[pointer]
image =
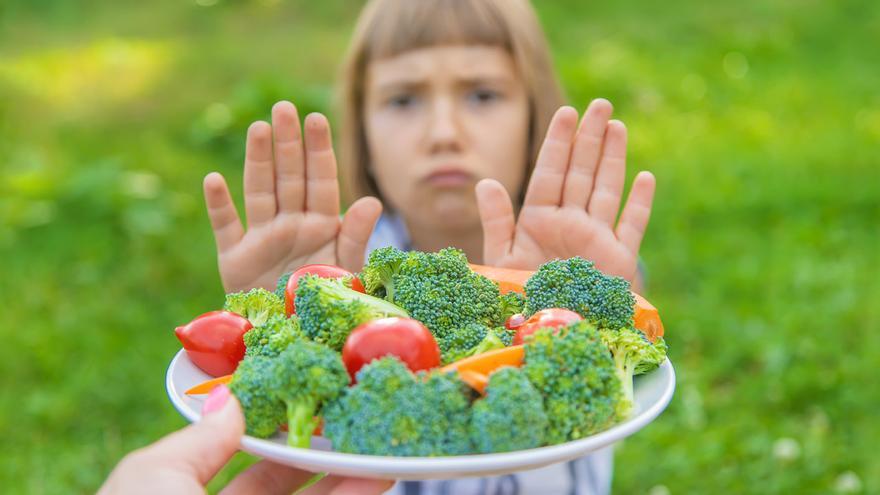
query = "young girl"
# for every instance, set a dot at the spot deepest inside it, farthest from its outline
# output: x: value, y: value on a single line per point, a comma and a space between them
x: 444, y: 107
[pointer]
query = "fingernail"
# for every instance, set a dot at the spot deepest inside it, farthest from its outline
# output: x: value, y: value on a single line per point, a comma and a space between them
x: 218, y: 397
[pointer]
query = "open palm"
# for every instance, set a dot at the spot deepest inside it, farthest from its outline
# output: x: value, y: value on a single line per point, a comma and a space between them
x: 291, y: 197
x: 572, y: 200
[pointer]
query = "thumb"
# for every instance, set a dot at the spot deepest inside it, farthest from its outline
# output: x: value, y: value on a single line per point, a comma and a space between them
x: 496, y: 215
x: 357, y: 226
x: 203, y: 448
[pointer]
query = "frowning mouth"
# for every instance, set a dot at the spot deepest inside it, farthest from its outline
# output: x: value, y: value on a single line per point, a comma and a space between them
x: 449, y: 177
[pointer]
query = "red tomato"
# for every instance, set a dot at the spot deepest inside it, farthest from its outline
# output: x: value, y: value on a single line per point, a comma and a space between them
x: 213, y: 341
x: 546, y: 318
x: 515, y: 321
x: 323, y: 271
x: 405, y: 338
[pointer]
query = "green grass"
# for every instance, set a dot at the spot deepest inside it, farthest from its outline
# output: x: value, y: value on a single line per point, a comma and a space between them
x: 761, y: 121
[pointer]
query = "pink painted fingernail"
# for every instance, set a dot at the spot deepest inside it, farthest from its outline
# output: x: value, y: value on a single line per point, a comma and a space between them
x: 216, y: 399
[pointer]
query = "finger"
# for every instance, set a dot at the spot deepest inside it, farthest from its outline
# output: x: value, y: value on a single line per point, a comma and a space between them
x: 497, y: 218
x: 637, y: 212
x: 605, y: 201
x: 267, y: 478
x: 545, y: 186
x: 336, y: 485
x: 585, y: 154
x: 322, y: 188
x: 221, y: 211
x: 289, y: 168
x: 259, y: 175
x: 357, y: 226
x: 203, y: 448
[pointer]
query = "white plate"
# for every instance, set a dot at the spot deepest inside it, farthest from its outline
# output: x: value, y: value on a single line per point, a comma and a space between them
x: 653, y: 392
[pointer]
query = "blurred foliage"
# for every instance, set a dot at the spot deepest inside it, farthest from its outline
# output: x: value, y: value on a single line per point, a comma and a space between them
x: 760, y: 119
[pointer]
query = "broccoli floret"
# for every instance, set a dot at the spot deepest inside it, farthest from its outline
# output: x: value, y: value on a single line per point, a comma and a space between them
x: 576, y: 376
x: 512, y: 303
x: 328, y: 310
x: 471, y: 340
x: 649, y: 365
x: 281, y: 286
x: 272, y: 337
x: 378, y: 274
x: 262, y: 411
x: 393, y: 412
x: 633, y: 354
x: 257, y: 305
x: 439, y: 289
x: 511, y: 416
x: 306, y: 375
x: 576, y: 284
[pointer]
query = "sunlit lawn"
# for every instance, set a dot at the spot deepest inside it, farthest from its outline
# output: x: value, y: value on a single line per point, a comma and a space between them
x: 761, y: 122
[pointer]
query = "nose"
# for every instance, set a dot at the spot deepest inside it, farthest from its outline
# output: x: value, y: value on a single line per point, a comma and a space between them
x: 444, y: 132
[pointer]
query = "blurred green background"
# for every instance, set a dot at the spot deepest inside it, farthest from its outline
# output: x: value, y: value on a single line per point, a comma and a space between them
x: 760, y: 119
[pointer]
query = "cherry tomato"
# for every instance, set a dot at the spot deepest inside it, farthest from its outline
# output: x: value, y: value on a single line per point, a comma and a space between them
x: 515, y: 321
x: 213, y: 341
x: 407, y: 339
x: 323, y: 271
x: 546, y: 318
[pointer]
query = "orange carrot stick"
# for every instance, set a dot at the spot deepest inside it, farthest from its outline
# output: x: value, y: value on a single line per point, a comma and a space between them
x: 647, y: 319
x: 508, y: 279
x: 476, y: 381
x: 206, y: 387
x: 488, y: 362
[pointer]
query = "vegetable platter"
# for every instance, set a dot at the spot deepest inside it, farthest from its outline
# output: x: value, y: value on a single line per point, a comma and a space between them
x: 423, y: 366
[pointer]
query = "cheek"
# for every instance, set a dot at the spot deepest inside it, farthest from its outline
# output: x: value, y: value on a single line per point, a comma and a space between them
x: 503, y: 145
x: 391, y: 147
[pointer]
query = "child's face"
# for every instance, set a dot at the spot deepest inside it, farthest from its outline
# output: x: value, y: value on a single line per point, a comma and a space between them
x: 440, y: 119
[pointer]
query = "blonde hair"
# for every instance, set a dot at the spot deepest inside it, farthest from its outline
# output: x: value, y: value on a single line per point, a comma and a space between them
x: 390, y: 27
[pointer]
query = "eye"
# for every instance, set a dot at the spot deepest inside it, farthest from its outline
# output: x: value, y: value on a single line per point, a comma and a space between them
x: 402, y: 101
x: 483, y: 96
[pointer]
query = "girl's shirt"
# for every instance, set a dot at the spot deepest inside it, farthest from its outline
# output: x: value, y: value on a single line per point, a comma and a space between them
x: 590, y: 475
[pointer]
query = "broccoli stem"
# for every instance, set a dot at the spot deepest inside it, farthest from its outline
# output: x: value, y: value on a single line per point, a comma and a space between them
x: 301, y: 422
x: 625, y: 370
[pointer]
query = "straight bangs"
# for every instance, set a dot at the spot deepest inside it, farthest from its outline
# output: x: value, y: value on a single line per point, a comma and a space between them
x: 405, y: 25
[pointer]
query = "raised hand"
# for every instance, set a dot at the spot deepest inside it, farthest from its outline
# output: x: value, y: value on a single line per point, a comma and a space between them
x: 291, y: 197
x: 572, y: 200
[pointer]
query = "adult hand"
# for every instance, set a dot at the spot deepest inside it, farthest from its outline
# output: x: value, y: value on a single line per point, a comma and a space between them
x: 291, y: 197
x: 183, y: 462
x: 572, y: 200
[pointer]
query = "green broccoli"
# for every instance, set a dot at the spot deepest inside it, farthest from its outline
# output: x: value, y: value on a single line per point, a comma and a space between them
x: 262, y: 411
x: 439, y: 289
x: 512, y: 303
x: 393, y: 412
x: 281, y: 286
x: 575, y: 374
x: 576, y: 284
x: 379, y: 272
x: 471, y: 340
x: 511, y: 416
x: 272, y: 337
x: 328, y: 310
x: 257, y: 305
x: 306, y: 375
x: 633, y: 354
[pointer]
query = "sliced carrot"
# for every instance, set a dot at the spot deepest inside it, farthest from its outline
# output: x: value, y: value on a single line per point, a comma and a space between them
x: 647, y: 318
x: 206, y: 387
x: 508, y: 279
x: 476, y: 381
x: 488, y: 362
